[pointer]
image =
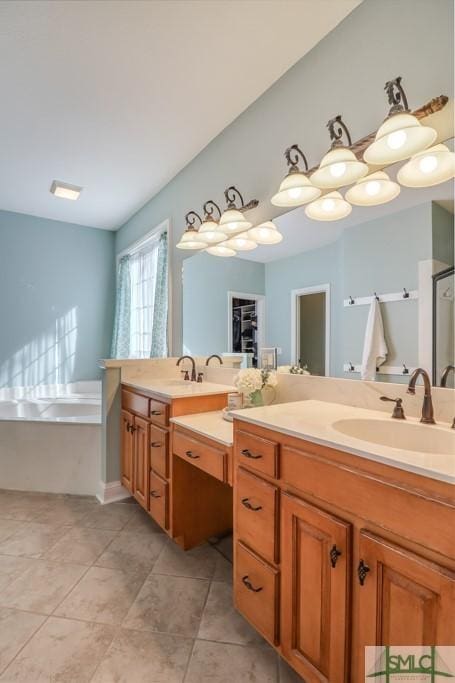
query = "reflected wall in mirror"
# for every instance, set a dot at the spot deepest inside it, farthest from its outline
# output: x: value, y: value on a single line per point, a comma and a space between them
x: 392, y: 250
x: 444, y: 328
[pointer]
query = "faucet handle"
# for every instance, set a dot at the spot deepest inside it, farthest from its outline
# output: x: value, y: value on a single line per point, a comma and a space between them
x: 200, y: 376
x: 398, y: 412
x: 186, y: 374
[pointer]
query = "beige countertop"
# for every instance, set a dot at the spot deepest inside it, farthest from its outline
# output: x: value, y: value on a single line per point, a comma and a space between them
x: 316, y: 421
x: 210, y: 424
x: 178, y: 388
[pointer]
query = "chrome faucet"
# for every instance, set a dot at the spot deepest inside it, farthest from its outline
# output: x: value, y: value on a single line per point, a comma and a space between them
x: 214, y: 355
x: 193, y: 369
x: 427, y: 406
x: 445, y: 374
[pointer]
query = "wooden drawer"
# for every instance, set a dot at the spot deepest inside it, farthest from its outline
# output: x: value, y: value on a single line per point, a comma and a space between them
x: 159, y: 456
x: 159, y: 412
x: 207, y: 458
x: 256, y: 508
x: 159, y: 495
x: 256, y: 591
x: 135, y: 403
x: 257, y: 453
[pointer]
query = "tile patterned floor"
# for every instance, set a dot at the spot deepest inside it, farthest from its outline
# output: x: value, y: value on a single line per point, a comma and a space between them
x: 99, y: 594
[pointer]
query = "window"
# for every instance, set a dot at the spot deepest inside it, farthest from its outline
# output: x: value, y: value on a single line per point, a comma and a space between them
x: 140, y: 328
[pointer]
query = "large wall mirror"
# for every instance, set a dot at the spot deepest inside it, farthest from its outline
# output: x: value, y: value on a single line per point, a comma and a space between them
x: 310, y: 295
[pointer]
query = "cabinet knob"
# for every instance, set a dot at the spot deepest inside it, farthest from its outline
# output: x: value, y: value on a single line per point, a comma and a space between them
x: 248, y: 454
x: 191, y: 455
x: 362, y: 571
x: 154, y: 494
x: 132, y: 428
x: 247, y: 504
x: 249, y: 585
x: 156, y: 444
x: 155, y: 412
x: 334, y: 555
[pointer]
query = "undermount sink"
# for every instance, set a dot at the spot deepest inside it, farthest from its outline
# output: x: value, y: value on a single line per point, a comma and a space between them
x: 399, y: 434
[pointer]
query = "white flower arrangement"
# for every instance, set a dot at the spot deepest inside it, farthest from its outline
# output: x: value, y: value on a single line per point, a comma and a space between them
x: 293, y: 370
x: 252, y: 380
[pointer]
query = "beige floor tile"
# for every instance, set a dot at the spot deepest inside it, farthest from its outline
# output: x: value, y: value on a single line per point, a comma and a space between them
x: 103, y: 595
x: 222, y: 663
x: 9, y: 526
x: 66, y: 511
x: 222, y: 622
x: 41, y: 587
x: 80, y: 545
x: 223, y: 570
x: 286, y: 674
x: 112, y: 517
x: 63, y: 650
x: 141, y: 521
x: 133, y: 551
x: 21, y: 506
x: 15, y: 629
x: 225, y: 546
x: 144, y: 658
x: 168, y: 604
x: 198, y: 563
x: 12, y: 567
x: 32, y: 540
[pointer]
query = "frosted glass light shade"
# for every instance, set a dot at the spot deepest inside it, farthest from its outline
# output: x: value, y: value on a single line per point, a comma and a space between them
x: 430, y: 167
x: 330, y: 207
x: 211, y: 233
x: 241, y: 242
x: 265, y: 233
x: 295, y: 190
x: 233, y: 221
x: 399, y: 137
x: 191, y: 240
x: 220, y: 250
x: 338, y: 167
x: 373, y: 189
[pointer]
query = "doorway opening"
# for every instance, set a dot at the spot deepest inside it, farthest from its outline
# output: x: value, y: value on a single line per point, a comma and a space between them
x: 245, y: 325
x: 310, y: 322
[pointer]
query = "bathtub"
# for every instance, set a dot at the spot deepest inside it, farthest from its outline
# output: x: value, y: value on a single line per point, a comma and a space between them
x: 50, y: 438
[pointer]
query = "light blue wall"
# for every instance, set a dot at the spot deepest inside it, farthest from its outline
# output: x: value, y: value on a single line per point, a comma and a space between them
x: 206, y: 281
x: 57, y: 297
x: 345, y: 73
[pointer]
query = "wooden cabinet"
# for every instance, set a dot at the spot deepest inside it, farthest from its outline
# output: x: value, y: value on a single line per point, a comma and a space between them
x: 159, y: 500
x: 315, y: 565
x: 141, y: 467
x: 209, y: 458
x: 256, y: 514
x: 127, y: 442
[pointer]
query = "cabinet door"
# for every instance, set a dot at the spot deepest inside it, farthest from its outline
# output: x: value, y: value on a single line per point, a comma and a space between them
x: 127, y: 424
x: 403, y: 598
x: 316, y: 556
x: 141, y: 462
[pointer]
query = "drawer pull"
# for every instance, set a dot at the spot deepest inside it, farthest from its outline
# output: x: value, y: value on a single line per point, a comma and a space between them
x: 190, y: 454
x: 247, y: 504
x: 334, y: 555
x: 156, y: 444
x: 248, y: 454
x: 128, y: 426
x: 155, y: 412
x: 246, y: 582
x: 362, y: 571
x: 132, y: 429
x: 154, y: 494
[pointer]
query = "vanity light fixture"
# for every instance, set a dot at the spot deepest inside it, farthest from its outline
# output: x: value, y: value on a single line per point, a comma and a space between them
x: 373, y: 189
x: 241, y: 242
x: 266, y: 233
x: 65, y: 190
x: 220, y: 250
x: 430, y: 167
x: 210, y: 231
x: 191, y: 238
x: 340, y: 165
x: 330, y: 207
x: 296, y: 188
x: 232, y: 220
x: 401, y: 135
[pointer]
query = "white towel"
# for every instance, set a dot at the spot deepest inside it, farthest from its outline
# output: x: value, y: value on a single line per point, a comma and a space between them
x: 375, y: 347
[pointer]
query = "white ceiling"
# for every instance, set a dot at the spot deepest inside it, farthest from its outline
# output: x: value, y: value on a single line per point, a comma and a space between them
x: 118, y: 96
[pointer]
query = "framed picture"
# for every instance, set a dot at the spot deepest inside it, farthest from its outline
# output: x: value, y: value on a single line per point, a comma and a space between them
x: 268, y: 358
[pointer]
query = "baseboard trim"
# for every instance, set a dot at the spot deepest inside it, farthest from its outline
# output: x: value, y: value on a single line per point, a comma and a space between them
x: 111, y: 492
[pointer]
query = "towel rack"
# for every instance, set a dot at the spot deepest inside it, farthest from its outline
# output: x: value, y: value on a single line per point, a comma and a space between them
x: 404, y: 295
x: 382, y: 370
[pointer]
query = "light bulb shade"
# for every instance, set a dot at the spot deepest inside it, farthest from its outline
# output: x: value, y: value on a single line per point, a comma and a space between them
x: 338, y: 167
x: 399, y: 137
x: 295, y: 190
x: 241, y: 242
x: 210, y: 232
x: 233, y: 221
x: 430, y: 167
x: 220, y: 250
x: 330, y: 207
x: 373, y: 189
x: 191, y: 240
x: 265, y: 233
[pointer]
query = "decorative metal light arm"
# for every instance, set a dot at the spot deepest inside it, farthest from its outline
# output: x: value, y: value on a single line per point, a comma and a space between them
x: 396, y: 96
x: 190, y: 220
x: 337, y: 128
x: 292, y: 155
x: 209, y: 208
x: 231, y: 193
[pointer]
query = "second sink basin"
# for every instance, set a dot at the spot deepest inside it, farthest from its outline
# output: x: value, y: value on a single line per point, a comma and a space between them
x: 396, y: 434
